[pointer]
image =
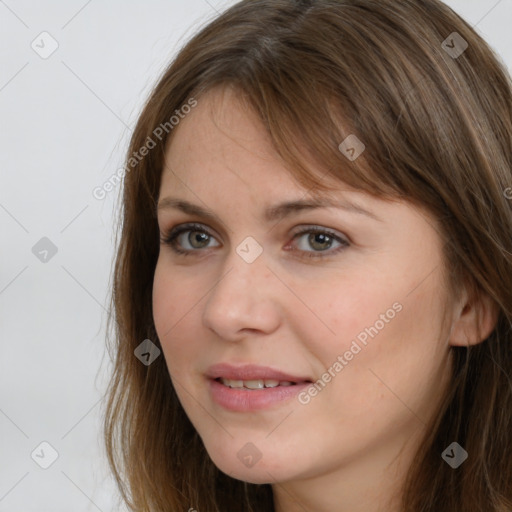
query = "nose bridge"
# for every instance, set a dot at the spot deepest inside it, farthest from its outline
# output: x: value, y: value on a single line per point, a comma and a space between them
x: 245, y: 268
x: 247, y: 260
x: 241, y: 297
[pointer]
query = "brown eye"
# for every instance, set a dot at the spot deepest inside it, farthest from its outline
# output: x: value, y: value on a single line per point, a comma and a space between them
x: 320, y: 240
x: 196, y: 237
x: 187, y: 238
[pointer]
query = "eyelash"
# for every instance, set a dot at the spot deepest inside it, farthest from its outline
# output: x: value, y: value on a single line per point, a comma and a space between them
x: 169, y: 239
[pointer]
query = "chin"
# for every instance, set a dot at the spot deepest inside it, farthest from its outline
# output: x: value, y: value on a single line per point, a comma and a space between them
x: 237, y: 464
x: 254, y: 475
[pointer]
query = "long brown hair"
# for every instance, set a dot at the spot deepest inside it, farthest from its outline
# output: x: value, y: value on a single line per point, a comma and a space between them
x: 434, y: 110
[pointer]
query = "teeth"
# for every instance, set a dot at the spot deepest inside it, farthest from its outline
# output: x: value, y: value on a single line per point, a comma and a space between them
x: 271, y: 383
x: 234, y: 383
x: 255, y: 384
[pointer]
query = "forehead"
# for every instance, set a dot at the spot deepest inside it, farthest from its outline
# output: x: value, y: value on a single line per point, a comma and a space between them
x: 222, y: 143
x: 221, y: 121
x: 221, y: 152
x: 222, y: 140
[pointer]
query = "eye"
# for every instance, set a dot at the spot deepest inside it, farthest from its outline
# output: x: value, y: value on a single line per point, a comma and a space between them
x: 320, y: 239
x: 197, y: 238
x: 189, y: 238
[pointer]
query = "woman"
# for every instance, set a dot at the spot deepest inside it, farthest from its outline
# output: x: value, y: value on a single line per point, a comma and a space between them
x: 313, y: 285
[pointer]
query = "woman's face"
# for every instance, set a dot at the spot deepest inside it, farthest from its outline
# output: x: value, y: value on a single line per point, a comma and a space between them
x: 356, y: 308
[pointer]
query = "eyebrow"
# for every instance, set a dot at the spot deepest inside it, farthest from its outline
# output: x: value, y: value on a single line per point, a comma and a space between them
x: 273, y: 213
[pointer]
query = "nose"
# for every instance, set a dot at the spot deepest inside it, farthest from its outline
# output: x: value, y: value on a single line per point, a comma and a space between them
x: 245, y: 298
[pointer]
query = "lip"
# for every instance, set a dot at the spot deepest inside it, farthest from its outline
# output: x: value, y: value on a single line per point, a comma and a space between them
x: 245, y: 400
x: 251, y: 372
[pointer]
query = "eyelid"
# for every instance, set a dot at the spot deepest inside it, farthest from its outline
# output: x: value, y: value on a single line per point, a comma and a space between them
x: 343, y: 240
x: 169, y: 238
x: 312, y: 228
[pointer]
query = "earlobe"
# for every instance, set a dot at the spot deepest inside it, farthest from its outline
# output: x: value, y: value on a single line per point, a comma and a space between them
x: 475, y: 322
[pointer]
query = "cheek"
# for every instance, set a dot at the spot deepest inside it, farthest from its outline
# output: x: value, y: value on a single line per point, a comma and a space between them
x: 173, y: 310
x: 373, y: 325
x: 175, y: 296
x: 349, y: 311
x: 164, y: 303
x: 403, y: 359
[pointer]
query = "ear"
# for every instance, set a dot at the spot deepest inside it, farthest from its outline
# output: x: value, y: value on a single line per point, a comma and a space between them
x: 475, y: 319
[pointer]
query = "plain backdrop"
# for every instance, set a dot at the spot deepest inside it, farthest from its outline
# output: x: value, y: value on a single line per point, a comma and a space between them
x: 65, y: 120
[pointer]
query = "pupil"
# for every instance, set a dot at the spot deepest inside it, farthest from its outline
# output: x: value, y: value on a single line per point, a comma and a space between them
x: 200, y: 237
x: 319, y: 238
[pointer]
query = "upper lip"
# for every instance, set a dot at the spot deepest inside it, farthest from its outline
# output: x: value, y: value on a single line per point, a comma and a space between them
x: 251, y: 372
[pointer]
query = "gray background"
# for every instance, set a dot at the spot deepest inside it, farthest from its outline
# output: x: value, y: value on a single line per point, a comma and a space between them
x: 65, y: 121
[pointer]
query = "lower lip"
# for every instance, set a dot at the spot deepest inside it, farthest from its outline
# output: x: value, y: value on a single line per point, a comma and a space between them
x: 241, y: 399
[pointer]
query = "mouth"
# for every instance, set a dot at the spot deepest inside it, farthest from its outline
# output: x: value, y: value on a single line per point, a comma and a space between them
x: 253, y: 375
x: 250, y: 387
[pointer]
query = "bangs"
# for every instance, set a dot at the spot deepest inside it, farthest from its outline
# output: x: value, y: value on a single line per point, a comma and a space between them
x: 321, y: 146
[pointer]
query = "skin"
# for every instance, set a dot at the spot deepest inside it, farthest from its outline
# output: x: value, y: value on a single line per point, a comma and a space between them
x: 349, y: 448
